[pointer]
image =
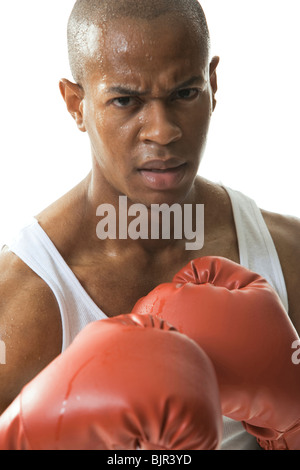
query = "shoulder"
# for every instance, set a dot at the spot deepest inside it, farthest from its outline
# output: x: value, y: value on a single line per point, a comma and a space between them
x: 30, y: 325
x: 18, y: 281
x: 285, y: 232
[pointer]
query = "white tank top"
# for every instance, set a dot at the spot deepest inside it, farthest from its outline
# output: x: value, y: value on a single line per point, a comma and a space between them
x: 257, y: 253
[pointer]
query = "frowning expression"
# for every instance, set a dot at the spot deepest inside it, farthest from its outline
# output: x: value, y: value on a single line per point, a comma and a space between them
x: 147, y: 104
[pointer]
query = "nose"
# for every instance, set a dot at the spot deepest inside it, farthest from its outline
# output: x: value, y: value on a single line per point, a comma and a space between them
x: 157, y: 124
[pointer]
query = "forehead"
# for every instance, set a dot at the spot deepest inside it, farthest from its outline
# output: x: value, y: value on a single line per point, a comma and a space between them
x: 140, y: 49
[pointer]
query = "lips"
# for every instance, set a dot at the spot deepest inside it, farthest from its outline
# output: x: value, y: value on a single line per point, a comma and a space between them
x: 157, y: 164
x: 162, y: 174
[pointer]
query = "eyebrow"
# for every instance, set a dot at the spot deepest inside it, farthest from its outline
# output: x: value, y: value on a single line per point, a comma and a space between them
x: 121, y: 90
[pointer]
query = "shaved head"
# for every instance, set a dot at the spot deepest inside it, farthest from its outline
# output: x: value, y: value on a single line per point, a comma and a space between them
x: 88, y: 17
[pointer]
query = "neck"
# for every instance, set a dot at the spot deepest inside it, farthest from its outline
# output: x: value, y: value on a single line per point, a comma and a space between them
x: 120, y: 224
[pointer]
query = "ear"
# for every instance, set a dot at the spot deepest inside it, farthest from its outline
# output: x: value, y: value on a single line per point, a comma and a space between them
x: 213, y: 78
x: 73, y: 96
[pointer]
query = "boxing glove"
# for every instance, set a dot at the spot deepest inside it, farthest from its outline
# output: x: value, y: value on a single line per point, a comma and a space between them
x: 240, y: 322
x: 125, y: 383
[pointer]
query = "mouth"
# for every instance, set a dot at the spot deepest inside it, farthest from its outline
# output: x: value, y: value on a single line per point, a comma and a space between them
x: 162, y: 175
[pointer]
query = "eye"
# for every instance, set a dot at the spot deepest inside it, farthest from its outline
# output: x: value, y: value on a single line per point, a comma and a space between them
x: 186, y: 94
x: 123, y: 101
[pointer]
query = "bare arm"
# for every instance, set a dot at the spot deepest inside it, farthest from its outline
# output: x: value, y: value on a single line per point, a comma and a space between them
x: 30, y: 326
x: 285, y: 232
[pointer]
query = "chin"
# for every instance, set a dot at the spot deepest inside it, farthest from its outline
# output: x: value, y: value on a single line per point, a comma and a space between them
x: 163, y: 197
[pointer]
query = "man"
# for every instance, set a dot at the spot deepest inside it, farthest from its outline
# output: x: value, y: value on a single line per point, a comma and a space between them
x: 144, y: 90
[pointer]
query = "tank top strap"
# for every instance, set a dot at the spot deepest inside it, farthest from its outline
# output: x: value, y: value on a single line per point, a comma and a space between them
x: 257, y: 250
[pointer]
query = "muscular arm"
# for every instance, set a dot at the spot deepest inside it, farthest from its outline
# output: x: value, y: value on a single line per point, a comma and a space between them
x: 30, y: 326
x: 285, y: 232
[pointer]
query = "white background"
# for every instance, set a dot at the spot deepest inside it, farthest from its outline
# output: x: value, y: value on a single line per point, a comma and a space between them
x: 254, y: 138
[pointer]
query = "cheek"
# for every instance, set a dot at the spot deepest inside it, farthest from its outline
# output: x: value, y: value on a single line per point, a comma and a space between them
x: 111, y: 145
x: 107, y: 131
x: 100, y: 131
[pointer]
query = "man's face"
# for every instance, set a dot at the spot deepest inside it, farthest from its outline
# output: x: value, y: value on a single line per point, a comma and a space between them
x: 147, y: 108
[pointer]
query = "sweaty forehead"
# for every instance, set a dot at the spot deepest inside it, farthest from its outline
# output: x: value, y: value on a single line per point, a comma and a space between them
x: 166, y: 32
x: 142, y: 45
x: 91, y: 19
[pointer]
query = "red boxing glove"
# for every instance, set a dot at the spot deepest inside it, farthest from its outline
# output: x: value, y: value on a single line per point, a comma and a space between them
x: 239, y: 321
x: 126, y: 383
